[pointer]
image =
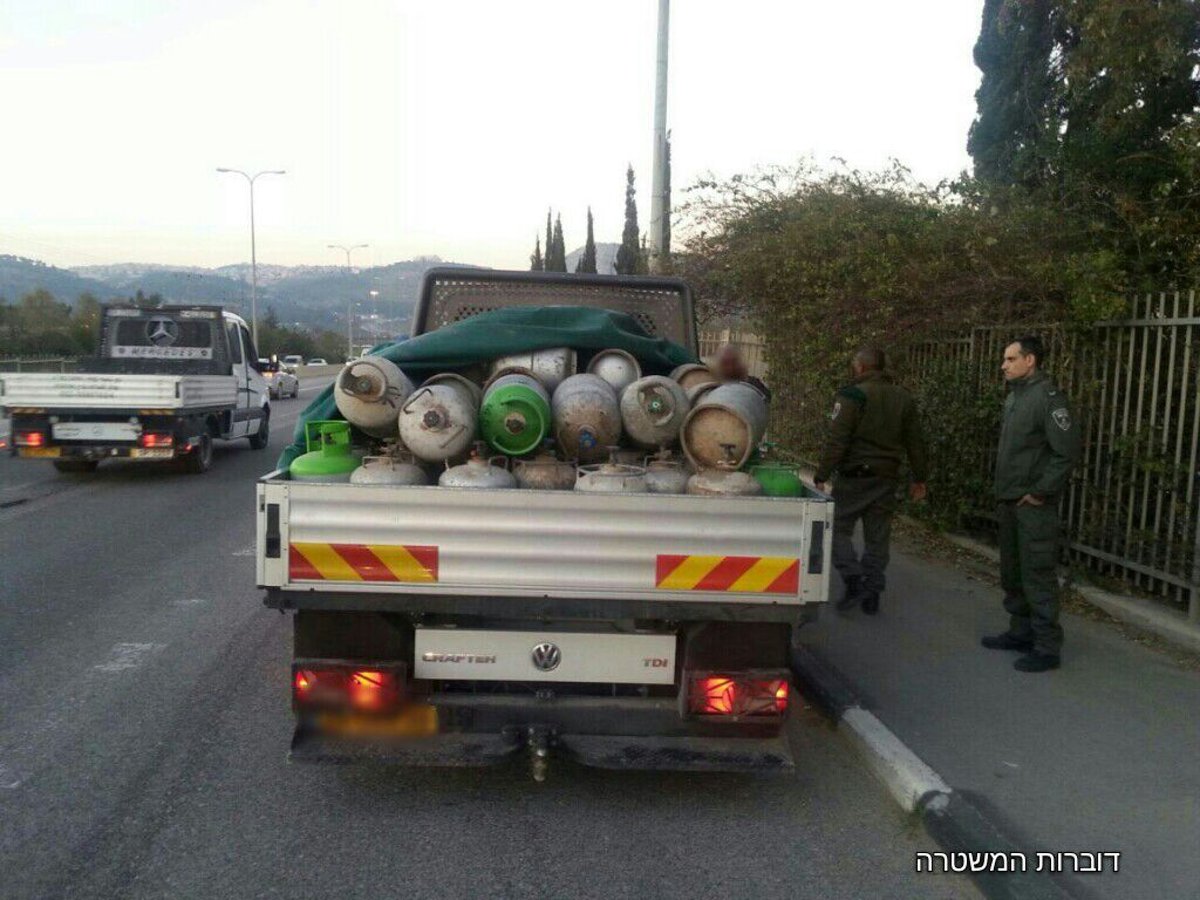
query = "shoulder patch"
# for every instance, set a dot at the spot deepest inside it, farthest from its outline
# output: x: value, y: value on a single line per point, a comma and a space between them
x: 854, y: 392
x: 1062, y: 418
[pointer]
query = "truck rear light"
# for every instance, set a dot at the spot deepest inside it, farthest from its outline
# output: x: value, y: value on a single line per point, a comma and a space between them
x: 736, y: 695
x: 30, y: 439
x: 155, y: 440
x: 346, y: 686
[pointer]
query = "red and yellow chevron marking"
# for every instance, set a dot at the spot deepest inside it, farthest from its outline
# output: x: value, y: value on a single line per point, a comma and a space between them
x: 361, y: 562
x: 746, y: 574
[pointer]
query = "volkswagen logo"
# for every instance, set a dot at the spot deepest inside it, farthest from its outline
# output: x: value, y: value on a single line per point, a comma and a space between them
x: 162, y: 332
x: 546, y: 657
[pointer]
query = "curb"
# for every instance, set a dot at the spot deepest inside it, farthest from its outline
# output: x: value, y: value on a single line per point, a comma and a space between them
x: 949, y: 817
x: 1144, y: 614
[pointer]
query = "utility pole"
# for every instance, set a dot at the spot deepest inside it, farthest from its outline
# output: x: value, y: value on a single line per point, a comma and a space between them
x: 658, y: 189
x: 349, y: 302
x: 253, y: 253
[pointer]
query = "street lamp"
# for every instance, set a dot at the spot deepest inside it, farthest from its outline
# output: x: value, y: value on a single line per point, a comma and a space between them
x: 349, y: 302
x: 253, y: 254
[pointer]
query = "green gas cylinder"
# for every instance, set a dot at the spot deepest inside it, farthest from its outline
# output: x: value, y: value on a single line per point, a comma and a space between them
x: 515, y: 415
x: 330, y: 455
x: 778, y: 479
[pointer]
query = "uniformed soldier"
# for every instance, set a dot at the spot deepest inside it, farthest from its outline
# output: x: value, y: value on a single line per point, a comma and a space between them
x: 875, y: 423
x: 1039, y: 444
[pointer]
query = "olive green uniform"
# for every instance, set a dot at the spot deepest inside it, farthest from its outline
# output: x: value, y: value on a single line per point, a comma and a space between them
x: 1039, y: 445
x: 875, y: 424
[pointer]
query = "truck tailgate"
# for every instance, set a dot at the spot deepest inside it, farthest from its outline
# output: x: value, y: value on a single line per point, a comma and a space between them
x: 84, y: 390
x: 432, y: 540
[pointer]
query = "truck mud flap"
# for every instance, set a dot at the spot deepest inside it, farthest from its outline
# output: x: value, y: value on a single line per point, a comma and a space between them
x: 700, y: 754
x: 447, y: 750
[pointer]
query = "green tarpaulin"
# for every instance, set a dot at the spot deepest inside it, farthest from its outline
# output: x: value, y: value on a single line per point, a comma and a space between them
x: 502, y: 332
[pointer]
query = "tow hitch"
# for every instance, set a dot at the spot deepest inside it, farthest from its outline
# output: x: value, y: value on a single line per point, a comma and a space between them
x: 538, y: 741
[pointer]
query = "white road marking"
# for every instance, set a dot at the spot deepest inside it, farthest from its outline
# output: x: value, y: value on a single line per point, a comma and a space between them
x: 245, y: 551
x: 129, y: 656
x: 8, y: 781
x: 189, y: 601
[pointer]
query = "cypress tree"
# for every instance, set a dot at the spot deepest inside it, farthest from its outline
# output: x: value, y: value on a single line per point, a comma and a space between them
x: 549, y: 245
x: 1013, y: 137
x: 556, y: 257
x: 629, y: 253
x: 536, y: 263
x: 587, y: 261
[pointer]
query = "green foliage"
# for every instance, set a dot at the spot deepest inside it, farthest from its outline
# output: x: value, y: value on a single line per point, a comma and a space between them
x: 556, y: 255
x: 1090, y: 105
x: 630, y: 259
x: 536, y: 263
x: 587, y: 260
x: 39, y: 325
x: 1009, y: 139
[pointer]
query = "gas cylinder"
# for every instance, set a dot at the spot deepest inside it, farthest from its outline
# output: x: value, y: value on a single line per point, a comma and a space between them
x: 733, y: 414
x: 369, y: 392
x: 437, y: 422
x: 329, y: 457
x: 611, y: 478
x: 393, y: 468
x: 723, y: 481
x: 587, y: 417
x: 472, y: 395
x: 652, y: 410
x: 515, y: 415
x: 545, y: 472
x: 697, y: 391
x: 619, y: 368
x: 478, y: 472
x: 689, y: 375
x: 549, y: 367
x: 666, y: 475
x: 778, y: 479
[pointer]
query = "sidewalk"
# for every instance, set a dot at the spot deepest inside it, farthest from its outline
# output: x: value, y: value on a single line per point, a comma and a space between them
x: 1102, y: 755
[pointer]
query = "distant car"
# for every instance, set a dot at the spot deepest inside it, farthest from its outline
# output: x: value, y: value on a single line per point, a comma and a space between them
x: 317, y: 362
x: 292, y: 360
x: 281, y: 381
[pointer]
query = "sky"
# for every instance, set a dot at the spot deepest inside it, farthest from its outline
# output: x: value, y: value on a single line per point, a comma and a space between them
x: 438, y: 127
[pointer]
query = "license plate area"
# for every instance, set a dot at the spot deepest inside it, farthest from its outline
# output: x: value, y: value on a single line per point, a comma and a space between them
x: 452, y: 654
x: 95, y: 431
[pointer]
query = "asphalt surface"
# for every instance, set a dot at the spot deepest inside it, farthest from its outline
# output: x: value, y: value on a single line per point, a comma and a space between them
x: 144, y: 726
x: 1102, y: 755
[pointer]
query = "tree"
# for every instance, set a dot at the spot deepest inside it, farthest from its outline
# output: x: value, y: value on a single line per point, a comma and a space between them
x: 587, y: 260
x: 556, y: 258
x: 549, y: 245
x: 629, y: 253
x: 536, y: 263
x: 1012, y: 137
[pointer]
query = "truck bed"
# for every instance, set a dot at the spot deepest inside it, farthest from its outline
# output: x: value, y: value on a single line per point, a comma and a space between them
x: 366, y: 543
x: 100, y: 391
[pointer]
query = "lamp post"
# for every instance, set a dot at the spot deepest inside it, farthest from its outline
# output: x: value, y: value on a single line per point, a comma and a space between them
x: 253, y: 254
x: 350, y: 302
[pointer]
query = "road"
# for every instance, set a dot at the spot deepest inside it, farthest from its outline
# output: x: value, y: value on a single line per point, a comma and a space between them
x: 144, y: 723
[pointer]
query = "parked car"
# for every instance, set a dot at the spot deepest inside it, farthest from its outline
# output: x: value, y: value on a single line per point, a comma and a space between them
x: 281, y: 381
x: 317, y: 362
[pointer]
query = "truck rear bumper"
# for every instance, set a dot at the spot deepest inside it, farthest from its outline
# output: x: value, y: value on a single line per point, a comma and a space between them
x: 604, y: 732
x: 629, y: 752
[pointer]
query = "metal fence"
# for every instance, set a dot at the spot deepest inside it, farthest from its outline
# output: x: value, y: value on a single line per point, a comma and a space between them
x: 38, y: 364
x: 750, y: 345
x: 1133, y: 506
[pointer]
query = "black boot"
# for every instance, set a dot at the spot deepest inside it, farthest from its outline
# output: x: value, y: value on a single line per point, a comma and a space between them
x: 870, y: 602
x: 1007, y: 641
x: 853, y: 595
